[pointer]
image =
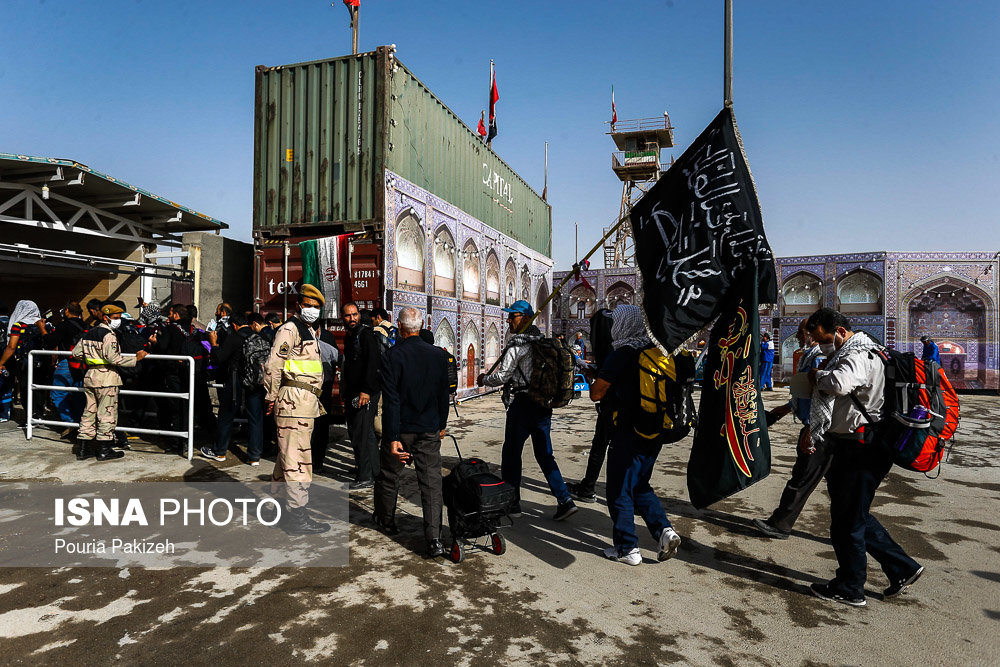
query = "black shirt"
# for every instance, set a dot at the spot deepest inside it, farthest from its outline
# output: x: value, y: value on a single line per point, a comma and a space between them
x: 65, y: 334
x: 361, y: 364
x: 621, y: 370
x: 415, y: 389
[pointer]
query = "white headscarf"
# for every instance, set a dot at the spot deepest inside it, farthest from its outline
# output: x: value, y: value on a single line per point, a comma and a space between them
x: 25, y: 311
x: 628, y: 327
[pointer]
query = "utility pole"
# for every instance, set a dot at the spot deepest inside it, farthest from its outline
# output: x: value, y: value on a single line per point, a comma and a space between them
x: 727, y: 65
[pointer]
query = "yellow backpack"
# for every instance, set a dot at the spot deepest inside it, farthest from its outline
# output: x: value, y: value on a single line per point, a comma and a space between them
x: 666, y: 411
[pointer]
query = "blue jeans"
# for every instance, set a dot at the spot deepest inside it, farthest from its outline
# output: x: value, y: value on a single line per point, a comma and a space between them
x: 524, y: 419
x: 855, y: 474
x: 765, y: 373
x: 629, y: 492
x: 68, y: 404
x: 254, y: 404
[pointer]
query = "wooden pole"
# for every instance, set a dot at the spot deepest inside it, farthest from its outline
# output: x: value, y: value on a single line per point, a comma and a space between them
x: 355, y: 13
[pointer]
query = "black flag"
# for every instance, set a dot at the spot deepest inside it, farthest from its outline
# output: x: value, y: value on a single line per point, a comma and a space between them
x: 731, y: 447
x: 698, y: 232
x: 701, y: 252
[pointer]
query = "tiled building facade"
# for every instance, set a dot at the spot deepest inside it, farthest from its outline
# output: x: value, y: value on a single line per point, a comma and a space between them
x: 459, y: 273
x: 895, y: 296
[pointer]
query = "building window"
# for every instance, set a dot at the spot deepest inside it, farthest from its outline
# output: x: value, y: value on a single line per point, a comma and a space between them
x: 492, y: 279
x: 470, y: 272
x: 444, y: 263
x: 409, y: 253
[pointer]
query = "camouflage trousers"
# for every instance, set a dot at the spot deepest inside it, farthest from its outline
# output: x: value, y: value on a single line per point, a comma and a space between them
x: 293, y: 466
x: 100, y: 414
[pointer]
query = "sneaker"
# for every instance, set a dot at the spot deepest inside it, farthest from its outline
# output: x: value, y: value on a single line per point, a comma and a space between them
x: 362, y: 485
x: 827, y: 592
x: 633, y: 557
x: 515, y: 511
x: 209, y: 454
x: 669, y: 541
x: 900, y: 586
x: 255, y: 463
x: 565, y: 510
x: 767, y: 530
x: 585, y: 494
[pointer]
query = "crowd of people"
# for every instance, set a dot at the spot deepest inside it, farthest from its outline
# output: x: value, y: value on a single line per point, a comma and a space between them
x: 395, y: 387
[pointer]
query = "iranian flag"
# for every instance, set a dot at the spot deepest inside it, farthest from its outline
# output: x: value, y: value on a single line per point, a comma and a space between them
x: 482, y: 124
x: 614, y: 114
x: 321, y: 269
x: 494, y: 96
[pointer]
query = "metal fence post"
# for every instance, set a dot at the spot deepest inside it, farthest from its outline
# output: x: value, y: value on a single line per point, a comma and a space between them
x: 190, y: 433
x: 31, y: 381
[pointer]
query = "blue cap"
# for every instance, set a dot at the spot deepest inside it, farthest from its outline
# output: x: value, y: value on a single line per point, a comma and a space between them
x: 520, y: 306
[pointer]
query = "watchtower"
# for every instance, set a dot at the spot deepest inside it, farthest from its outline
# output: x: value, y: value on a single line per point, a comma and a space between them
x: 637, y: 164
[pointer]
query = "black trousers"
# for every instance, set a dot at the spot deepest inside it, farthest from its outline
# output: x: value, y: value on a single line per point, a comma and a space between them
x: 855, y: 475
x: 598, y: 448
x: 361, y: 431
x: 426, y: 451
x: 807, y: 473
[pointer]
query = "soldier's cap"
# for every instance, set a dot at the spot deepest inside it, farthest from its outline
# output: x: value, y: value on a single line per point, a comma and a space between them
x: 111, y: 309
x: 312, y: 293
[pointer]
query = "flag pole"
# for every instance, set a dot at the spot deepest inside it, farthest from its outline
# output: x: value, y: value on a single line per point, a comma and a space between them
x: 489, y: 142
x: 545, y: 189
x: 727, y: 65
x: 354, y: 41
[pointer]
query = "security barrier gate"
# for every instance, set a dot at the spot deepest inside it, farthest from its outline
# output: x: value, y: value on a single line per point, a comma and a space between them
x: 188, y: 396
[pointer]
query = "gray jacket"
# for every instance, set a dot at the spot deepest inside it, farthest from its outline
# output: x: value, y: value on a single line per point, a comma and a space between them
x: 514, y: 369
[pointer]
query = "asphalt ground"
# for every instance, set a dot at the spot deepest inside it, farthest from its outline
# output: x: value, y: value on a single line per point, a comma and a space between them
x: 730, y: 597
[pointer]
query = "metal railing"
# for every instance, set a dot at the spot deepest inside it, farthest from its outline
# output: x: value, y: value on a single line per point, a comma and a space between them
x: 188, y: 396
x: 643, y: 124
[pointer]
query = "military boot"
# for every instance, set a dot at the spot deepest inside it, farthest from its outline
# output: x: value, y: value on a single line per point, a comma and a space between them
x: 104, y: 451
x: 83, y: 449
x: 296, y: 521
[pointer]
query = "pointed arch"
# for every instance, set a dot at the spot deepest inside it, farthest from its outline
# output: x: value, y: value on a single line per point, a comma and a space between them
x: 444, y: 262
x: 542, y: 321
x: 618, y: 293
x: 509, y: 283
x: 409, y: 251
x: 801, y: 293
x: 492, y: 278
x: 444, y: 336
x: 525, y: 283
x: 471, y: 271
x: 859, y: 291
x: 582, y: 302
x: 491, y: 351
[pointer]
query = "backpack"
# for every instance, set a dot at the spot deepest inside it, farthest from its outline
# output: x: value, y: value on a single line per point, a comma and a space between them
x: 600, y: 335
x: 471, y: 489
x: 452, y: 371
x: 552, y: 371
x: 253, y: 356
x: 665, y: 413
x: 920, y: 412
x: 193, y: 347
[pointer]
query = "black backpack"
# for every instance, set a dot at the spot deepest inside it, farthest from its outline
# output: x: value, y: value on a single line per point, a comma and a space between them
x: 253, y: 356
x: 552, y: 371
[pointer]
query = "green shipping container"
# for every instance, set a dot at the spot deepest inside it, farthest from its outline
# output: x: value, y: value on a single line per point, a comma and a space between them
x: 326, y: 131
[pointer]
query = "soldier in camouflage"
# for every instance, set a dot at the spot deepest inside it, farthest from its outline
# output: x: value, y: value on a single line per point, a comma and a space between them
x: 293, y: 377
x: 102, y: 357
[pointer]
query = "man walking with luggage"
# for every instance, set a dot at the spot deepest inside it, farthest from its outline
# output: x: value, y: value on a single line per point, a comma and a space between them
x: 100, y: 352
x: 415, y: 399
x: 293, y: 377
x: 359, y: 390
x: 853, y: 378
x: 524, y: 417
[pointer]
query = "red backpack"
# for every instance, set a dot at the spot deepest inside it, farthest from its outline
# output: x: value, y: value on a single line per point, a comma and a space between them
x: 920, y: 412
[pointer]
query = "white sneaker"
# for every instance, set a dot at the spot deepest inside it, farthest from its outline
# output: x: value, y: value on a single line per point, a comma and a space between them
x: 631, y: 558
x: 669, y: 541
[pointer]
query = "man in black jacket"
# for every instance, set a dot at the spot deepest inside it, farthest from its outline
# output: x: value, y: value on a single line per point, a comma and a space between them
x: 359, y: 390
x: 226, y: 358
x: 415, y: 400
x: 69, y: 405
x: 171, y: 412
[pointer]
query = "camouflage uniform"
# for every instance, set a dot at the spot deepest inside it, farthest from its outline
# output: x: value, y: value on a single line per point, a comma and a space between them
x: 293, y: 377
x: 99, y: 350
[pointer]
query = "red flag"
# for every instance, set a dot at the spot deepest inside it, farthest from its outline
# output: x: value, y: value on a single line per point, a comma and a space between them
x: 494, y: 96
x: 352, y: 3
x: 482, y: 124
x: 614, y: 114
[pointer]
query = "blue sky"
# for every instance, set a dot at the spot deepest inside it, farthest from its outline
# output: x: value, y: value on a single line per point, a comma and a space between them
x: 868, y: 125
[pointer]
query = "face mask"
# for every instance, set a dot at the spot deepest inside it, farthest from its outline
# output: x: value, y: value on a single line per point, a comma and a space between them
x: 114, y: 324
x: 309, y: 314
x: 827, y: 348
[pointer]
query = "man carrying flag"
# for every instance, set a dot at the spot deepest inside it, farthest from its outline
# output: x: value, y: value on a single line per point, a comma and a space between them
x: 702, y: 255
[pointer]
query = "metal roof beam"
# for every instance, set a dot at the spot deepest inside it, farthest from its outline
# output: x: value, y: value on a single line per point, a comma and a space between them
x: 34, y: 175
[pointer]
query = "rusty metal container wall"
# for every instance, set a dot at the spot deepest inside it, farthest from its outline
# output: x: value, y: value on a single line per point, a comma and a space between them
x: 429, y: 145
x: 324, y: 113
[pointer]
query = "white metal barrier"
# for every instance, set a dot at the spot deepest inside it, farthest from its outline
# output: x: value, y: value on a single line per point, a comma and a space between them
x: 188, y: 396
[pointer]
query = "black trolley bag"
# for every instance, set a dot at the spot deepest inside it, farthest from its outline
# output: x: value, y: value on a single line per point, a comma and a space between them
x: 477, y: 501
